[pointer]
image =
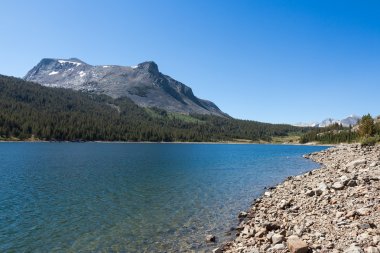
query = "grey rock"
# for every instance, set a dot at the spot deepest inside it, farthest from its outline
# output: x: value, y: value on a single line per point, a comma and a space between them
x: 264, y: 248
x: 210, y: 238
x: 269, y: 235
x: 143, y: 84
x: 352, y: 183
x: 337, y: 186
x: 372, y: 250
x: 363, y: 236
x: 344, y: 179
x: 364, y: 226
x: 355, y: 163
x: 284, y: 204
x: 252, y: 250
x: 331, y: 220
x: 261, y: 232
x: 322, y: 187
x: 248, y: 231
x: 363, y: 211
x: 279, y: 246
x: 277, y: 238
x: 217, y: 250
x: 376, y: 239
x: 242, y: 214
x: 353, y: 249
x: 311, y: 193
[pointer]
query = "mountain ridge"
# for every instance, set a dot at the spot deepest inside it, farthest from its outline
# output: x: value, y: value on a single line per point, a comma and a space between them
x: 144, y: 84
x: 30, y: 111
x: 351, y: 120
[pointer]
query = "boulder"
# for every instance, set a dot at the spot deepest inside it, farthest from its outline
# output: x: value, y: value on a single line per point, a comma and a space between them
x: 217, y: 250
x: 352, y: 183
x: 362, y: 237
x: 296, y: 245
x: 363, y: 211
x: 242, y: 215
x: 337, y: 186
x: 210, y: 238
x: 261, y: 232
x: 353, y: 249
x: 284, y: 204
x: 344, y: 179
x: 355, y: 163
x: 279, y: 246
x: 248, y: 231
x: 277, y: 238
x: 376, y: 239
x: 351, y: 214
x: 311, y: 193
x: 322, y: 187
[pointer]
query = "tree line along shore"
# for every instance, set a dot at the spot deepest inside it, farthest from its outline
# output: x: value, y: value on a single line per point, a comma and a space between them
x: 367, y: 132
x: 31, y: 112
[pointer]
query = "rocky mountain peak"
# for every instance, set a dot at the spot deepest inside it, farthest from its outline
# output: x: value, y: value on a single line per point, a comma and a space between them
x: 70, y: 61
x: 149, y: 66
x: 143, y: 84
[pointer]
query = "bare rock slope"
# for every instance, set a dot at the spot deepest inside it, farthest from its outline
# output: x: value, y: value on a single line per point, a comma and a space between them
x: 332, y: 209
x: 144, y: 84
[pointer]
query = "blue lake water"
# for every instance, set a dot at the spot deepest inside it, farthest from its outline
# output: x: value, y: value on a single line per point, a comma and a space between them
x: 118, y: 197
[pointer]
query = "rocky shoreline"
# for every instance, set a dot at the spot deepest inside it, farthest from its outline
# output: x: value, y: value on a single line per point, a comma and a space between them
x: 335, y: 208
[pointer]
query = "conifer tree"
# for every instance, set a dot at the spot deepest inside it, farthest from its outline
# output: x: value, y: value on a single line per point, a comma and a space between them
x: 366, y: 126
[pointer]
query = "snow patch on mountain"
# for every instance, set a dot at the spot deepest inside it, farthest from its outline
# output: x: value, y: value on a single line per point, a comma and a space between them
x: 70, y: 62
x: 144, y: 84
x: 351, y: 120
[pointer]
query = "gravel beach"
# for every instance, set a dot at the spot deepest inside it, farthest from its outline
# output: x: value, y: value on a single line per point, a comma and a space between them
x: 335, y: 208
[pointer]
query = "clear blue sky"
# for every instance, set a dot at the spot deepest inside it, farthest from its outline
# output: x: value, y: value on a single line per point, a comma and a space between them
x: 272, y: 61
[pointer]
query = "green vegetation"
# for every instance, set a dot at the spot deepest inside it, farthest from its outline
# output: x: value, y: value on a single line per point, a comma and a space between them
x: 367, y: 132
x: 377, y: 125
x: 366, y: 126
x: 33, y: 112
x: 184, y: 117
x: 370, y: 141
x: 291, y: 138
x: 331, y: 134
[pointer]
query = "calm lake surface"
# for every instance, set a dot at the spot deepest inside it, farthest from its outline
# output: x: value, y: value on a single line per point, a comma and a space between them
x: 118, y: 197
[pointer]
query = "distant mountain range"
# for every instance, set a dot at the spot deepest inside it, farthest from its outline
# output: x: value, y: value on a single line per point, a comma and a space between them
x: 144, y: 84
x: 351, y: 120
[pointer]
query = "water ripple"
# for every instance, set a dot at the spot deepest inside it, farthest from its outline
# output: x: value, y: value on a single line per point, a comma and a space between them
x: 93, y: 197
